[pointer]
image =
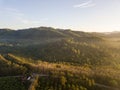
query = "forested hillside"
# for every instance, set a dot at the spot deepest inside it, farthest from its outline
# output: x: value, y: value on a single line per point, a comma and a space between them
x: 55, y: 45
x: 59, y: 59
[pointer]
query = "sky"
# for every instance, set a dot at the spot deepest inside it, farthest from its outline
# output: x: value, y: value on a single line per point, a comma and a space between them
x: 83, y: 15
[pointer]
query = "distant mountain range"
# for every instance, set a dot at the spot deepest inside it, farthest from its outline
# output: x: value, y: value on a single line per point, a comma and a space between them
x: 48, y: 32
x: 42, y: 34
x: 58, y: 45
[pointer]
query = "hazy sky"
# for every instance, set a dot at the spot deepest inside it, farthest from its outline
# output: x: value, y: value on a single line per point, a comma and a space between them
x: 87, y: 15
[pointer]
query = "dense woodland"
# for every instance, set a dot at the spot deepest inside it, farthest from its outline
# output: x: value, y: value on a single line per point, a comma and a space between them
x: 68, y: 60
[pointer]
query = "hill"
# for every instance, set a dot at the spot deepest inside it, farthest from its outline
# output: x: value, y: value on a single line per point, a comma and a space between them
x: 40, y: 35
x: 67, y: 59
x: 55, y: 45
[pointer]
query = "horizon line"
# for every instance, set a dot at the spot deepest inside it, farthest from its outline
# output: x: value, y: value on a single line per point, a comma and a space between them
x: 59, y: 28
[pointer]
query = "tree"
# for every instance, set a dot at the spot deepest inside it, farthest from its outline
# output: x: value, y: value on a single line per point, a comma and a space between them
x: 63, y: 80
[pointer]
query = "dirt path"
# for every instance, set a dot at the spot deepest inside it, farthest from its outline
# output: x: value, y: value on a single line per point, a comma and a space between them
x: 34, y: 82
x: 10, y: 76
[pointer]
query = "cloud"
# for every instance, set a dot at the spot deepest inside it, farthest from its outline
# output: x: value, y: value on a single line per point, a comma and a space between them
x: 19, y: 17
x: 85, y: 4
x: 25, y: 21
x: 12, y: 9
x: 29, y: 21
x: 117, y: 27
x: 11, y: 12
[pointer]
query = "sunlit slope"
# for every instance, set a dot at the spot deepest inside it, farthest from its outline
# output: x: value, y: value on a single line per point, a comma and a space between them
x: 10, y: 66
x: 56, y: 45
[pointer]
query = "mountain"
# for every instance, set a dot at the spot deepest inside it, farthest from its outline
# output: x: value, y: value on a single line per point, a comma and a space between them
x: 43, y: 35
x: 65, y: 59
x: 41, y: 32
x: 55, y: 45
